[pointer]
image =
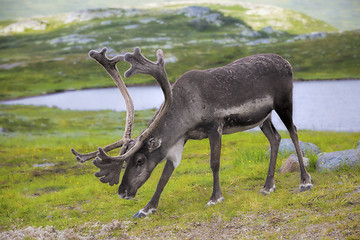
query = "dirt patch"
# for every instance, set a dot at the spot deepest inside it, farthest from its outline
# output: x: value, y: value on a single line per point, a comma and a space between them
x: 248, y: 226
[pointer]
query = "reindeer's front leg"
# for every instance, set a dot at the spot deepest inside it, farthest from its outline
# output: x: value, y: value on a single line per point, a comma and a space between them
x: 152, y: 205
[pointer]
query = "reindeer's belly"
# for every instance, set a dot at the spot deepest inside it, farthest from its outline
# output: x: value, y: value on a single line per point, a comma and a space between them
x: 246, y: 115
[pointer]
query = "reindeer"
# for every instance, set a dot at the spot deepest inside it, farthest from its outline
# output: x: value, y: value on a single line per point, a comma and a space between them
x: 200, y: 104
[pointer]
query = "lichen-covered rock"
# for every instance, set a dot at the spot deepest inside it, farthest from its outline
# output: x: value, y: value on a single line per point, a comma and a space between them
x: 292, y: 164
x: 87, y: 15
x: 335, y: 160
x: 22, y: 26
x: 309, y: 36
x: 194, y: 11
x: 287, y: 146
x: 71, y: 39
x: 202, y: 14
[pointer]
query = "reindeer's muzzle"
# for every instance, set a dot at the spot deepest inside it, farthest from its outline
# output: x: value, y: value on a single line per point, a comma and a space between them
x: 125, y: 194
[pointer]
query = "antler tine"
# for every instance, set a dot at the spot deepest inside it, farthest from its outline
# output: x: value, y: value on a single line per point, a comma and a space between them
x: 110, y: 67
x: 87, y: 156
x: 140, y: 64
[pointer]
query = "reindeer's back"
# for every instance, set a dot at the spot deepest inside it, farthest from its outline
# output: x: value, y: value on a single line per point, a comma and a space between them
x: 247, y: 78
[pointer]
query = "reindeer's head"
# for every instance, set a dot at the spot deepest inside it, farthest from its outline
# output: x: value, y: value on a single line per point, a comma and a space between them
x: 138, y: 153
x: 138, y: 169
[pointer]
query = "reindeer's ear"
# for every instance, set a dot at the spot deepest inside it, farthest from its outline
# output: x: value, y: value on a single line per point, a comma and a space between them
x: 153, y: 144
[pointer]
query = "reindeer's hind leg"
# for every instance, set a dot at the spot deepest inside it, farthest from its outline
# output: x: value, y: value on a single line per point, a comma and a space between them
x: 215, y: 135
x: 286, y: 117
x: 274, y: 139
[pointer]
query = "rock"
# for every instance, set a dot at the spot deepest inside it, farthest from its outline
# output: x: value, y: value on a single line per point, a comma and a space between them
x: 250, y: 33
x: 287, y: 146
x: 71, y: 39
x: 335, y: 160
x: 202, y: 14
x: 87, y: 15
x: 309, y: 36
x: 358, y: 145
x: 268, y: 30
x: 292, y: 164
x: 260, y: 41
x: 194, y: 11
x: 172, y: 59
x: 131, y: 26
x: 44, y: 165
x: 22, y: 26
x: 147, y: 20
x: 103, y: 23
x: 10, y: 65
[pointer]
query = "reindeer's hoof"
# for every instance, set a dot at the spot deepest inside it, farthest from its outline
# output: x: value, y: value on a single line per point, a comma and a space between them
x: 305, y: 187
x: 139, y: 215
x: 142, y: 213
x: 213, y: 202
x: 266, y: 191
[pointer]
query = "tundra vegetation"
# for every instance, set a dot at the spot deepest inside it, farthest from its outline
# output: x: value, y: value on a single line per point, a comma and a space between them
x: 42, y: 185
x: 45, y: 192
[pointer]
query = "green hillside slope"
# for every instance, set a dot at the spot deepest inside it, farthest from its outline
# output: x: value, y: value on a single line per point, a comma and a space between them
x: 342, y: 14
x: 54, y: 58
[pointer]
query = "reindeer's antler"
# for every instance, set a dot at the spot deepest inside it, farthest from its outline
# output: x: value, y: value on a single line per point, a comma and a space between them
x: 140, y: 64
x: 111, y: 171
x: 87, y: 156
x: 110, y: 67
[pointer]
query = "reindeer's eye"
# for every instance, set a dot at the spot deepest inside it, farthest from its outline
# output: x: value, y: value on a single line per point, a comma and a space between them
x: 140, y: 161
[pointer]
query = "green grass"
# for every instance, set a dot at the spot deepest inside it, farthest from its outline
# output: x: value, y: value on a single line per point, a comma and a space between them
x: 69, y: 196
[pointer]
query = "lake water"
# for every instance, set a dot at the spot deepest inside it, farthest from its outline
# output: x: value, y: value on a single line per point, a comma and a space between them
x: 318, y: 105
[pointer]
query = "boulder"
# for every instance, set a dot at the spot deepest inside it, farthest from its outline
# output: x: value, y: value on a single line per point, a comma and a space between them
x: 292, y: 164
x: 335, y: 160
x: 287, y: 146
x: 268, y: 30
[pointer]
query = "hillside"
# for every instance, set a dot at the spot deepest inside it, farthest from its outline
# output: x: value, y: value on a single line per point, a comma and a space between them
x: 344, y: 14
x: 43, y: 55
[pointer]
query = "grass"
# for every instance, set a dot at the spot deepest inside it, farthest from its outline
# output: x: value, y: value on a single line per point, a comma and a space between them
x: 68, y: 197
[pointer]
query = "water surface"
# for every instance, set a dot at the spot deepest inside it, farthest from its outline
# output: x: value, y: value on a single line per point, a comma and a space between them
x: 318, y: 105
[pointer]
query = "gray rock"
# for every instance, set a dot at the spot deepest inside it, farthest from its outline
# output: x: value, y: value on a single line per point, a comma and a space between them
x: 202, y: 14
x: 287, y: 146
x: 131, y: 26
x: 194, y: 11
x: 309, y: 36
x: 249, y: 33
x: 358, y: 145
x: 72, y: 39
x: 268, y: 30
x: 335, y: 160
x: 87, y: 15
x: 44, y: 165
x: 260, y: 41
x: 10, y: 65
